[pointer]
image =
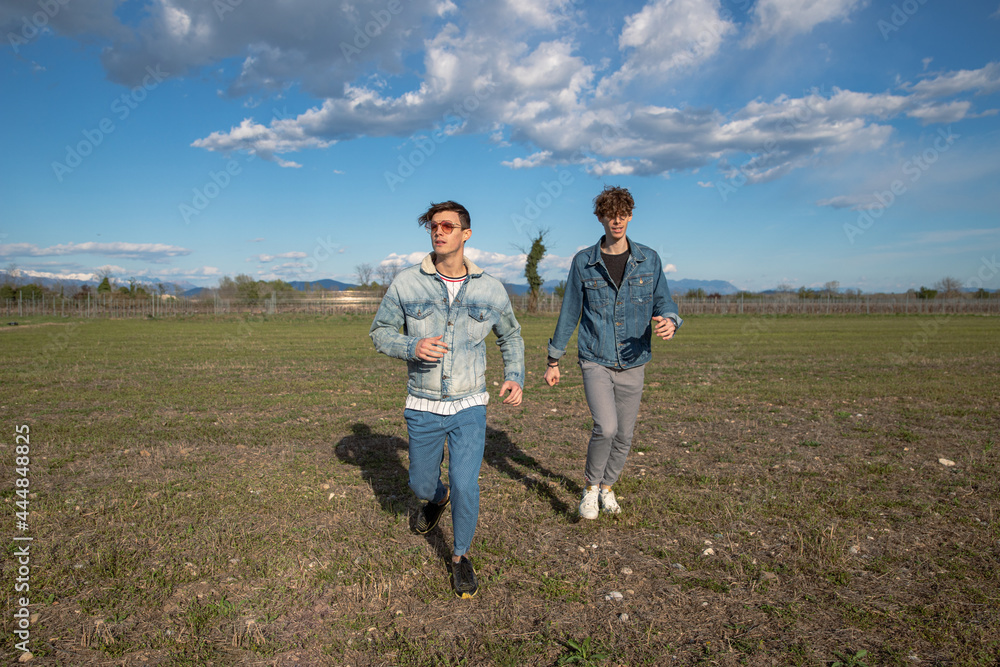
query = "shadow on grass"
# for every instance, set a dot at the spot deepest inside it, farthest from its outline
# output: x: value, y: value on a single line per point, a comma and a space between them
x: 512, y: 461
x: 381, y: 459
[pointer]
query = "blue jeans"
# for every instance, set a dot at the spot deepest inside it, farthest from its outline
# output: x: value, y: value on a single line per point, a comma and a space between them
x: 466, y: 436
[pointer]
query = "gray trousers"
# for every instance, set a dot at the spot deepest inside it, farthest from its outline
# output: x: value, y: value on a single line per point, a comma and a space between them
x: 613, y: 397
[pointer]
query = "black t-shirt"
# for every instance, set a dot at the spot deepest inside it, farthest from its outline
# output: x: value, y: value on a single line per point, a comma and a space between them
x: 616, y: 266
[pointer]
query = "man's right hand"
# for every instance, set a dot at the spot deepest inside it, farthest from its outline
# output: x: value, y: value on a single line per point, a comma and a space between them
x: 431, y: 349
x: 551, y: 376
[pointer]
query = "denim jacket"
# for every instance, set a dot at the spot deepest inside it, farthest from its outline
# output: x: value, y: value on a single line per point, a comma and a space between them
x: 615, y: 328
x: 417, y: 301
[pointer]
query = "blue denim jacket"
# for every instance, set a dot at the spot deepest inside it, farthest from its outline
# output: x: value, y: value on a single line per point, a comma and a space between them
x: 417, y: 300
x: 615, y: 328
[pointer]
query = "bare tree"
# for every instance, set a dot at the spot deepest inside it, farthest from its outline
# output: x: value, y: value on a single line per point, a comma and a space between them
x: 832, y: 287
x: 949, y: 286
x: 364, y: 272
x: 11, y: 275
x: 387, y: 271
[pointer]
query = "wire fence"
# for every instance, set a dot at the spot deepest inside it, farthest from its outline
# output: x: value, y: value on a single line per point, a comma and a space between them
x: 120, y: 306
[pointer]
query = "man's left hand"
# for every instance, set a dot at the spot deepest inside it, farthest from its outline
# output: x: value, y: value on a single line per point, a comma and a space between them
x: 664, y: 327
x: 515, y: 393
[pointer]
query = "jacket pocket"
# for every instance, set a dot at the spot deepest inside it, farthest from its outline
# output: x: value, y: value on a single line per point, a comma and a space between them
x: 418, y: 319
x: 480, y: 321
x: 641, y: 288
x: 596, y: 292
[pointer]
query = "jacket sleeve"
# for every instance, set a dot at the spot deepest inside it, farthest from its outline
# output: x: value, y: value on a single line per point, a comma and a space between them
x: 385, y: 329
x: 508, y: 332
x: 663, y: 303
x: 569, y: 312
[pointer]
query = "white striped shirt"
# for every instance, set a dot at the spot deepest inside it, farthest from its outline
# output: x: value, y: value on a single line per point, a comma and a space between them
x: 448, y: 408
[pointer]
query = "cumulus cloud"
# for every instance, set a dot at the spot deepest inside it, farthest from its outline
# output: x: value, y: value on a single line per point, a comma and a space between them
x: 983, y: 81
x: 513, y: 70
x: 669, y: 35
x: 787, y: 18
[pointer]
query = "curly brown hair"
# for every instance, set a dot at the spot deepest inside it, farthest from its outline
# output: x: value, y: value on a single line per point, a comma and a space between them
x: 463, y: 215
x: 613, y: 202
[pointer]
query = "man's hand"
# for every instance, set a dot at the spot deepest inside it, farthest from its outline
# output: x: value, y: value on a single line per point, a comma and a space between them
x: 551, y: 376
x: 664, y: 327
x: 515, y: 393
x: 431, y: 349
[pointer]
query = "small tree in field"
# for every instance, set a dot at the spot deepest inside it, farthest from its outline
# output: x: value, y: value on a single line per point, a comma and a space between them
x: 535, y: 256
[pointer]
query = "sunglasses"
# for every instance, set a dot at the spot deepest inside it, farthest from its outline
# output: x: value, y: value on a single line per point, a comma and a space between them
x: 446, y: 227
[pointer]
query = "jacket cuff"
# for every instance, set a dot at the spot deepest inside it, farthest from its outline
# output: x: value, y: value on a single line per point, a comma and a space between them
x: 676, y: 318
x: 411, y: 348
x: 555, y: 352
x: 516, y: 377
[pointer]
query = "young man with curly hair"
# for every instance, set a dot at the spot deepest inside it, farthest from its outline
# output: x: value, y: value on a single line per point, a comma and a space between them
x: 618, y: 295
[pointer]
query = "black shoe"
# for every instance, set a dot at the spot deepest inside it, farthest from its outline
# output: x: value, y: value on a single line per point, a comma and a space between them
x: 431, y: 514
x: 463, y: 577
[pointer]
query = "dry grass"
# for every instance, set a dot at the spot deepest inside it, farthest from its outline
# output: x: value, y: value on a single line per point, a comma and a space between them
x: 234, y: 492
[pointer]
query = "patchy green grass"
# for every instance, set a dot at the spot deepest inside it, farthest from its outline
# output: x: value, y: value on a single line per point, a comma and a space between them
x: 234, y: 491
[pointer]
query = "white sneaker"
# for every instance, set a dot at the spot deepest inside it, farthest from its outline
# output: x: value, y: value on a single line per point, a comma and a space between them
x: 588, y: 504
x: 608, y: 502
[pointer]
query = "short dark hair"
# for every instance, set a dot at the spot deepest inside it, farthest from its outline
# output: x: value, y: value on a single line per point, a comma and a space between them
x: 613, y: 202
x: 463, y: 215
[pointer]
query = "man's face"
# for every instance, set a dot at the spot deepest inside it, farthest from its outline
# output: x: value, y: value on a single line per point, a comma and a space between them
x: 614, y: 228
x: 444, y: 241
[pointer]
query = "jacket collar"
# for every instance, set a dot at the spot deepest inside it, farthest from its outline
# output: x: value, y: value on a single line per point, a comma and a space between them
x: 427, y: 266
x: 633, y: 248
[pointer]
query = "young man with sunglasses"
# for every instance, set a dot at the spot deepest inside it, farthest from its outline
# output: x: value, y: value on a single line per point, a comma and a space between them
x: 446, y: 307
x: 618, y: 295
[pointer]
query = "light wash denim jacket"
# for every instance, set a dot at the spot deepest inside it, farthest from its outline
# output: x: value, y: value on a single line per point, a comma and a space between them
x: 615, y: 328
x: 417, y: 300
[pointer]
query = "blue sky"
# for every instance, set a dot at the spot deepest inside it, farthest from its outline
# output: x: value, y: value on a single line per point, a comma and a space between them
x: 767, y: 143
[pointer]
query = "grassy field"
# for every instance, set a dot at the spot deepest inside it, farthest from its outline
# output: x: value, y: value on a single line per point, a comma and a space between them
x: 220, y: 492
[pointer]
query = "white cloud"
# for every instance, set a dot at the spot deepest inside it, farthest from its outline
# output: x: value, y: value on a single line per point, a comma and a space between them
x: 983, y: 81
x: 153, y: 252
x: 265, y: 258
x: 787, y: 18
x: 951, y: 112
x: 514, y: 70
x: 669, y: 35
